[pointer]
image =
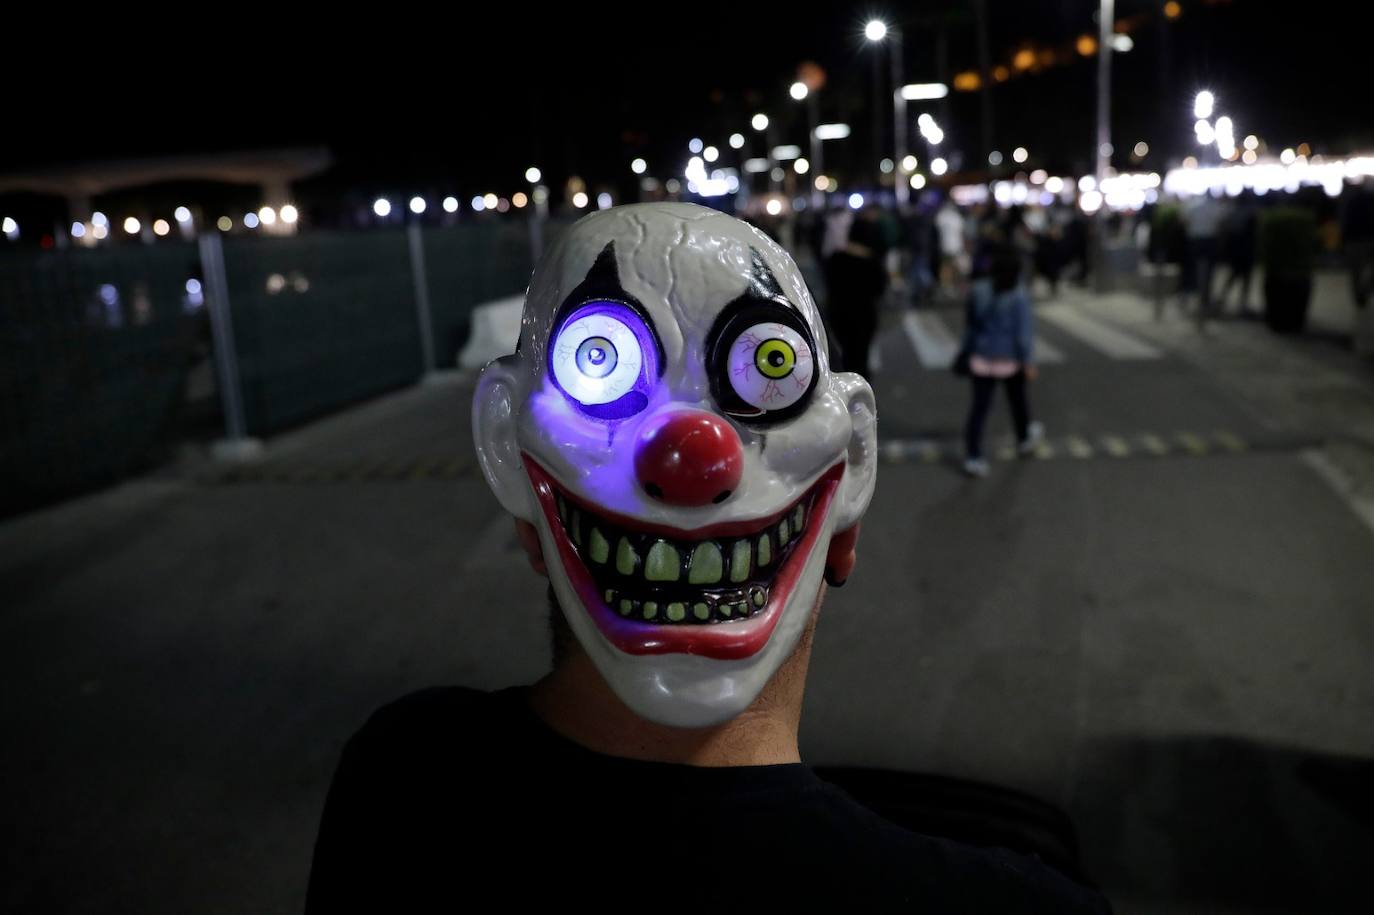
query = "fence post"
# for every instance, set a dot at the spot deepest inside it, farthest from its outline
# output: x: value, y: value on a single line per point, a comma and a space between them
x: 422, y: 309
x: 237, y: 445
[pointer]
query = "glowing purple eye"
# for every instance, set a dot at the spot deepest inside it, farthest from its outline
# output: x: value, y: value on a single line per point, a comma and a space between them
x: 770, y: 366
x: 597, y: 358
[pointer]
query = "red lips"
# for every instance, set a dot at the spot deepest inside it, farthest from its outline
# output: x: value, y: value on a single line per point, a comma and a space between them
x: 721, y: 641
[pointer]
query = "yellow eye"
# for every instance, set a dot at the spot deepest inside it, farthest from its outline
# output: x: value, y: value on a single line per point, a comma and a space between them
x: 775, y: 358
x: 770, y: 366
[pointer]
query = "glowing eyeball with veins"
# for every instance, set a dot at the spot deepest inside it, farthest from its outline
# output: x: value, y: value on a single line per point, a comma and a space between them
x: 770, y: 366
x: 602, y: 358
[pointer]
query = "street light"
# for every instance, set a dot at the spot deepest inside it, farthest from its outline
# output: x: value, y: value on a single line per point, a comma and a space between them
x: 532, y: 175
x: 1202, y: 105
x: 639, y: 166
x: 876, y: 30
x: 759, y: 122
x: 798, y: 90
x: 919, y: 92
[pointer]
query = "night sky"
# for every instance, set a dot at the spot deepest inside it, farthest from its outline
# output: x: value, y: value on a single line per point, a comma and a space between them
x: 464, y: 102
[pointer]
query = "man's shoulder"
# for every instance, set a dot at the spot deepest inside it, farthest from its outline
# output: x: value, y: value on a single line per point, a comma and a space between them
x: 438, y: 702
x: 431, y: 719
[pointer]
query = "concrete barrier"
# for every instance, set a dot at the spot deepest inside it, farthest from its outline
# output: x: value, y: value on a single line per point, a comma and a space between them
x: 495, y: 330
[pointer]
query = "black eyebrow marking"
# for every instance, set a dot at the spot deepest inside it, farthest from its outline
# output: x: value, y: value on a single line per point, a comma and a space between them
x: 602, y: 280
x: 762, y: 283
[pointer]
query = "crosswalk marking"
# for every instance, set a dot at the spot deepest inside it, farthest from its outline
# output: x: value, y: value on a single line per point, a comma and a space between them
x: 1046, y: 352
x: 1101, y: 337
x: 934, y: 343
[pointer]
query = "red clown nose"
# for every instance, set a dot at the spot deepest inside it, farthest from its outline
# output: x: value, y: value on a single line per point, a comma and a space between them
x: 689, y: 458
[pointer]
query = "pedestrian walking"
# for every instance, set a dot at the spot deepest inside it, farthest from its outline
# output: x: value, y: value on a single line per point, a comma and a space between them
x: 997, y: 346
x: 1202, y: 219
x: 855, y: 280
x: 1238, y: 241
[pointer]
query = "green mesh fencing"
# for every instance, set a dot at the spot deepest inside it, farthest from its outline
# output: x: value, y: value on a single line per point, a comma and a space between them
x: 95, y: 346
x: 321, y: 320
x: 468, y: 265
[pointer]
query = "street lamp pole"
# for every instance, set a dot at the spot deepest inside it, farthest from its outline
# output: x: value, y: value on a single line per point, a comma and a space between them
x: 1106, y: 22
x: 877, y: 114
x: 817, y: 167
x: 899, y: 126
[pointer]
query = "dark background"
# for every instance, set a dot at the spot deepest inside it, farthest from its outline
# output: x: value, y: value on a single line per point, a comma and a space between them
x: 463, y: 100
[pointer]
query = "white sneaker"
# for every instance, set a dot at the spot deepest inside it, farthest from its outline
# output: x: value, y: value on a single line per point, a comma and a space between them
x: 976, y: 467
x: 1035, y: 434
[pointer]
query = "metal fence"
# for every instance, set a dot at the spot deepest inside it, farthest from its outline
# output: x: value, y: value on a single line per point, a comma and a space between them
x: 97, y: 345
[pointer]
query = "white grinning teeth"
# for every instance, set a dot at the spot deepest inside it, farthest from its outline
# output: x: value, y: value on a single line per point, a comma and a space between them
x: 651, y: 578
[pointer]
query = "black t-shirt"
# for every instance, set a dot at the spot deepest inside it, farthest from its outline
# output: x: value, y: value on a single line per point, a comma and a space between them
x: 453, y: 799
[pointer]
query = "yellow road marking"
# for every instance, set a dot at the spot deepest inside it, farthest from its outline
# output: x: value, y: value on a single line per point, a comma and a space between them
x: 1192, y: 443
x: 1154, y: 444
x: 1115, y: 446
x: 1228, y: 441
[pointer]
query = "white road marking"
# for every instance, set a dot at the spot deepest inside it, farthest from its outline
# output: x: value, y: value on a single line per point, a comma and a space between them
x: 934, y: 343
x: 1046, y: 352
x: 1101, y: 337
x: 1334, y: 477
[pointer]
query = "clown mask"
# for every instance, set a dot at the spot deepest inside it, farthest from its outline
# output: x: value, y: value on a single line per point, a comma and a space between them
x: 671, y: 439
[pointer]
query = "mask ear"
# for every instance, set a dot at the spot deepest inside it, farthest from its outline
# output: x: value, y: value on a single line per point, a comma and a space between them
x: 493, y: 435
x: 860, y: 473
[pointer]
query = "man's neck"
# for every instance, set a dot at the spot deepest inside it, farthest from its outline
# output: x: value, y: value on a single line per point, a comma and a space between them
x: 576, y: 702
